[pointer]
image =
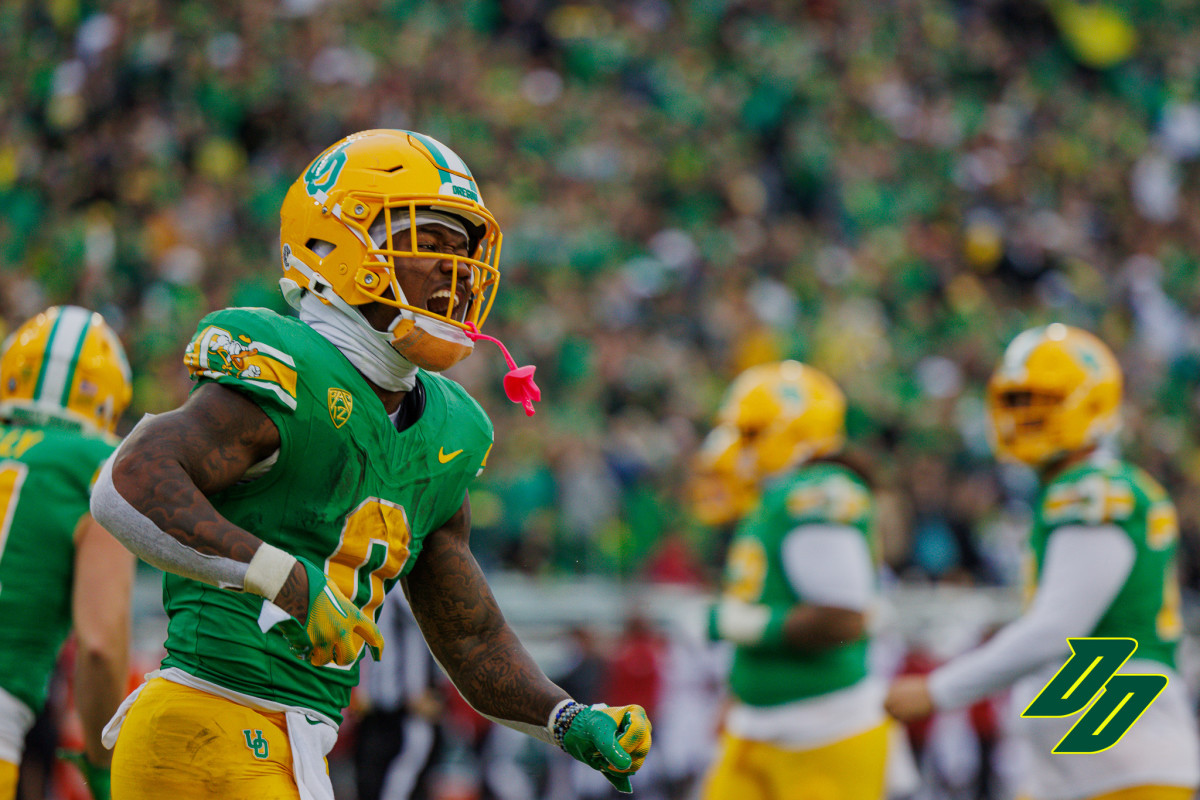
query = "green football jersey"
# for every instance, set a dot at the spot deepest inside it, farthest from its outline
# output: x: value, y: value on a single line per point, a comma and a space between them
x: 348, y: 492
x: 822, y: 493
x: 46, y: 474
x: 1117, y: 493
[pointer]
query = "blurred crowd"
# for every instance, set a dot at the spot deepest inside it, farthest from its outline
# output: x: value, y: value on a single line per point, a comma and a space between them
x: 889, y: 191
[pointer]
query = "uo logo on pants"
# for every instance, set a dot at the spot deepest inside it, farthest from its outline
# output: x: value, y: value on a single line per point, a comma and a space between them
x: 1090, y: 671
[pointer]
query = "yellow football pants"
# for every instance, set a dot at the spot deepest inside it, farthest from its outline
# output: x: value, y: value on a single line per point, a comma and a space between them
x: 1148, y: 793
x: 1145, y: 793
x: 182, y: 743
x: 852, y: 769
x: 8, y: 779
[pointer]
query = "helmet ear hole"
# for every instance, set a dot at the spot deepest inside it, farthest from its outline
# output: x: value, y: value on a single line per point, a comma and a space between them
x: 319, y: 246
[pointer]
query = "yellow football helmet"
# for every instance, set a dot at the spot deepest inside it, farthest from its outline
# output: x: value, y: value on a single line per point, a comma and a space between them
x: 785, y: 413
x: 65, y: 363
x: 337, y: 236
x: 720, y: 491
x: 1057, y: 390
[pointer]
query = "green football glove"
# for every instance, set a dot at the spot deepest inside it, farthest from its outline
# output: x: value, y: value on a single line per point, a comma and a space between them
x: 98, y: 779
x: 335, y: 628
x: 614, y: 741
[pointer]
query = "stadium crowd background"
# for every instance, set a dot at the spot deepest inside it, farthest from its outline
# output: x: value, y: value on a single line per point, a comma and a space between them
x: 889, y: 191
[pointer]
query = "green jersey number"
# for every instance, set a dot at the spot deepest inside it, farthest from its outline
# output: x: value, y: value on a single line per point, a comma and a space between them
x: 1162, y: 530
x: 1168, y: 622
x: 372, y: 550
x: 746, y: 569
x: 12, y: 476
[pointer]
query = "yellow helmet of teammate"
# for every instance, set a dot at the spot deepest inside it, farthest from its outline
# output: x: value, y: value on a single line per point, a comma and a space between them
x: 785, y: 413
x: 719, y: 490
x: 1057, y: 390
x: 65, y: 363
x: 338, y: 226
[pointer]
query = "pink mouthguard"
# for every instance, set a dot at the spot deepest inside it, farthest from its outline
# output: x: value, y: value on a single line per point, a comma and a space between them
x: 518, y: 383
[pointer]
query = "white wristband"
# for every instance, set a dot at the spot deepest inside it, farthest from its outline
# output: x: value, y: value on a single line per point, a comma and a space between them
x: 742, y: 623
x: 268, y: 571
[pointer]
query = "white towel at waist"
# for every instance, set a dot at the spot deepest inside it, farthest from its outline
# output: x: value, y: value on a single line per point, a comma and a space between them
x: 16, y: 719
x: 813, y: 721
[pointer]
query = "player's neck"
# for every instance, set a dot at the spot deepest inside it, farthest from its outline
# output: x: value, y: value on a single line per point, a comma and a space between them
x: 391, y: 400
x: 379, y: 315
x: 1060, y: 465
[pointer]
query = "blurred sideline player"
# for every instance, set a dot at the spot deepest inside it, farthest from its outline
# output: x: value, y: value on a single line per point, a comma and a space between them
x: 64, y: 382
x: 1103, y: 563
x: 806, y: 719
x: 398, y: 741
x: 318, y: 462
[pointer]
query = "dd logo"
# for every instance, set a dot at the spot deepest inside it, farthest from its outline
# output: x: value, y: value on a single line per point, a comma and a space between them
x: 1091, y: 669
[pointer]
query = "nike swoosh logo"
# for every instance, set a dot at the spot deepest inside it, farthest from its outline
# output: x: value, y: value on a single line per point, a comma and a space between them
x: 445, y: 457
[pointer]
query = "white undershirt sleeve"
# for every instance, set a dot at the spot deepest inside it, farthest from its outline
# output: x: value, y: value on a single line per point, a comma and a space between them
x: 830, y: 565
x: 264, y: 575
x: 154, y: 545
x: 1084, y: 569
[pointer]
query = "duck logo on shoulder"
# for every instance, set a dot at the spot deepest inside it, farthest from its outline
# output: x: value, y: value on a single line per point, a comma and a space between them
x: 217, y: 352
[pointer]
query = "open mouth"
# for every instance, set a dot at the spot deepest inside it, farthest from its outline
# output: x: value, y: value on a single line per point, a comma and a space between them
x: 443, y: 302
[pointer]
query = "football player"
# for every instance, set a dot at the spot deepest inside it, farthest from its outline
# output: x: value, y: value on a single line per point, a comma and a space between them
x: 64, y: 382
x: 806, y: 719
x: 1102, y: 565
x: 721, y: 491
x: 318, y: 462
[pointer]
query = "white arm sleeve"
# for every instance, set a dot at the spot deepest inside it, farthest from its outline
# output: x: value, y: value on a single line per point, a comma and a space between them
x: 152, y: 544
x: 1084, y: 569
x: 830, y: 565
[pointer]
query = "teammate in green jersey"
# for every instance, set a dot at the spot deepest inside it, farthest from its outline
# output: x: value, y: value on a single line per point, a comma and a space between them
x: 1102, y: 565
x: 806, y: 719
x: 64, y: 382
x: 317, y: 463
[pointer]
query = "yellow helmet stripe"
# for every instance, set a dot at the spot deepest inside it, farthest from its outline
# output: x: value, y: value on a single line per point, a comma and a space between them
x: 62, y: 356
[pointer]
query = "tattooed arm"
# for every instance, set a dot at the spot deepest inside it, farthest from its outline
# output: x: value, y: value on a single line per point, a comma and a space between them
x: 467, y: 633
x: 468, y: 636
x: 152, y: 494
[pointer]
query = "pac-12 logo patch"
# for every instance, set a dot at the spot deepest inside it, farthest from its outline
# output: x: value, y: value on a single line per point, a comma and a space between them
x: 340, y: 406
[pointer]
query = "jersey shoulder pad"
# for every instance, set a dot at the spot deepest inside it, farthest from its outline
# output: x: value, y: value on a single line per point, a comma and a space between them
x: 248, y: 349
x: 1090, y: 495
x: 464, y: 423
x: 827, y: 494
